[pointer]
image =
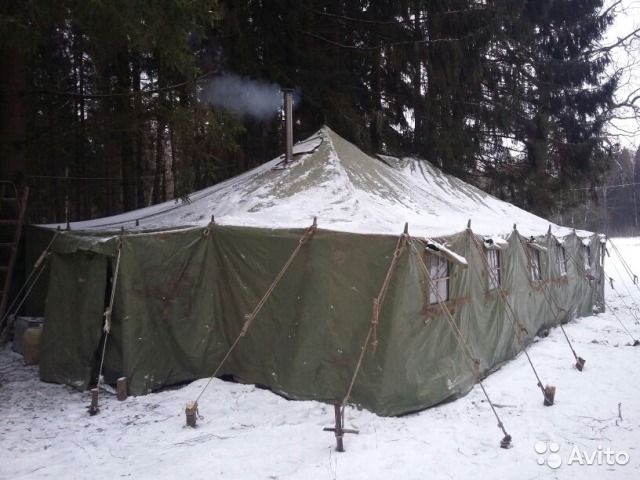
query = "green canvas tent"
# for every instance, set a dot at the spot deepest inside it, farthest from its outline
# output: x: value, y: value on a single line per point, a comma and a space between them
x: 185, y: 283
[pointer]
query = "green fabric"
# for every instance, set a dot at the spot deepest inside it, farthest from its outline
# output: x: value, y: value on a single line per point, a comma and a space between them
x: 74, y: 318
x: 36, y: 240
x: 182, y: 297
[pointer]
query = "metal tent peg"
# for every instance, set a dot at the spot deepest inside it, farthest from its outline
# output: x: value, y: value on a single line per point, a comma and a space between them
x: 339, y: 429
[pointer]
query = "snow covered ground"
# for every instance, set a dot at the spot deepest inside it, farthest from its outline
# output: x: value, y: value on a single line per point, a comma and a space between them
x: 247, y: 433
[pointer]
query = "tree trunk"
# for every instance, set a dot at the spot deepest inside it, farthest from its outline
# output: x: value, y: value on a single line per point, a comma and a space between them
x: 125, y: 133
x: 13, y: 108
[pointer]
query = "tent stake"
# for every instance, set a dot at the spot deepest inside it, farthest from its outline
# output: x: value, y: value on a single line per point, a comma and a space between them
x: 191, y: 412
x: 93, y: 408
x: 339, y: 429
x: 549, y: 395
x: 506, y: 442
x: 121, y: 388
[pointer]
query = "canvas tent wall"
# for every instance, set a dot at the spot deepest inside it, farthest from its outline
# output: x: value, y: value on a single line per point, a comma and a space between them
x: 185, y: 283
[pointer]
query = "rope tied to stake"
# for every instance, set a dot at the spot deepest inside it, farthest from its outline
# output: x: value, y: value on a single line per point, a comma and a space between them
x: 551, y: 301
x: 635, y: 342
x: 28, y: 284
x: 474, y: 363
x: 519, y: 329
x: 107, y: 324
x: 250, y: 317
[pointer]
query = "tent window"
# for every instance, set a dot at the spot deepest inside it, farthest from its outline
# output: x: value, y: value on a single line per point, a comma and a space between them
x: 439, y: 269
x: 534, y: 256
x: 586, y: 251
x: 493, y: 259
x: 562, y: 260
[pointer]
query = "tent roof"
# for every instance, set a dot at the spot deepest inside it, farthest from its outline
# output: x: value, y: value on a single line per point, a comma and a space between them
x: 346, y: 189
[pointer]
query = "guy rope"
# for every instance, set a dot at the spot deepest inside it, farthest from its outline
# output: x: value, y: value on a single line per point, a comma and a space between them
x: 474, y: 363
x: 635, y: 342
x: 28, y: 285
x: 378, y: 301
x: 634, y: 277
x: 632, y: 310
x: 548, y: 392
x: 191, y: 410
x: 94, y: 407
x: 551, y: 301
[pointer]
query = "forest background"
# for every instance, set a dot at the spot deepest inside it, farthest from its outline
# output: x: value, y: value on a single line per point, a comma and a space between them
x: 112, y: 105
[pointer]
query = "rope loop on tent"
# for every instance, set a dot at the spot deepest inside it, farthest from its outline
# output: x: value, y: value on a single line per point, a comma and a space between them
x: 474, y: 363
x: 250, y: 317
x: 375, y: 316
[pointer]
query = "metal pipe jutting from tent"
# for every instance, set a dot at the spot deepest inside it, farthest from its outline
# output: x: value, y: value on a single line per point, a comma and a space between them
x: 191, y: 410
x: 288, y: 124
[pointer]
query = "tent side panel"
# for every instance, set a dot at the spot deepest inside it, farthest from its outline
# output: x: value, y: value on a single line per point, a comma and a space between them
x: 418, y: 361
x: 306, y: 340
x: 166, y: 328
x: 73, y: 318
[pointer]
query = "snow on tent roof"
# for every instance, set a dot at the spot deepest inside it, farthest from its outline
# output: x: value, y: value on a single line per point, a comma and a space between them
x: 346, y: 189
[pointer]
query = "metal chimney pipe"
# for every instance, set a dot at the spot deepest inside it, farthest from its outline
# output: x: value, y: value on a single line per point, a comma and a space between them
x: 288, y: 124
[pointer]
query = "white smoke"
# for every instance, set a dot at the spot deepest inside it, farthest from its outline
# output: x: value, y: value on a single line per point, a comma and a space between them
x: 245, y: 97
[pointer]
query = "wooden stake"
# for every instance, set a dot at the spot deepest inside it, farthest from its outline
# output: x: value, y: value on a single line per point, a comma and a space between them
x: 191, y: 412
x: 93, y: 408
x: 121, y: 388
x: 549, y: 395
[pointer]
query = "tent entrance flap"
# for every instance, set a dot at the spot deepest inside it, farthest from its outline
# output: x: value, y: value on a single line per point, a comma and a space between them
x: 73, y: 317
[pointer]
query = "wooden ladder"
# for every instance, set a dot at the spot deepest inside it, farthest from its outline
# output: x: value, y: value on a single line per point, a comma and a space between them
x: 13, y: 207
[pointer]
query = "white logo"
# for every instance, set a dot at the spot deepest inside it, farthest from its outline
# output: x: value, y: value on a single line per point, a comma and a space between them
x: 549, y: 454
x: 553, y: 460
